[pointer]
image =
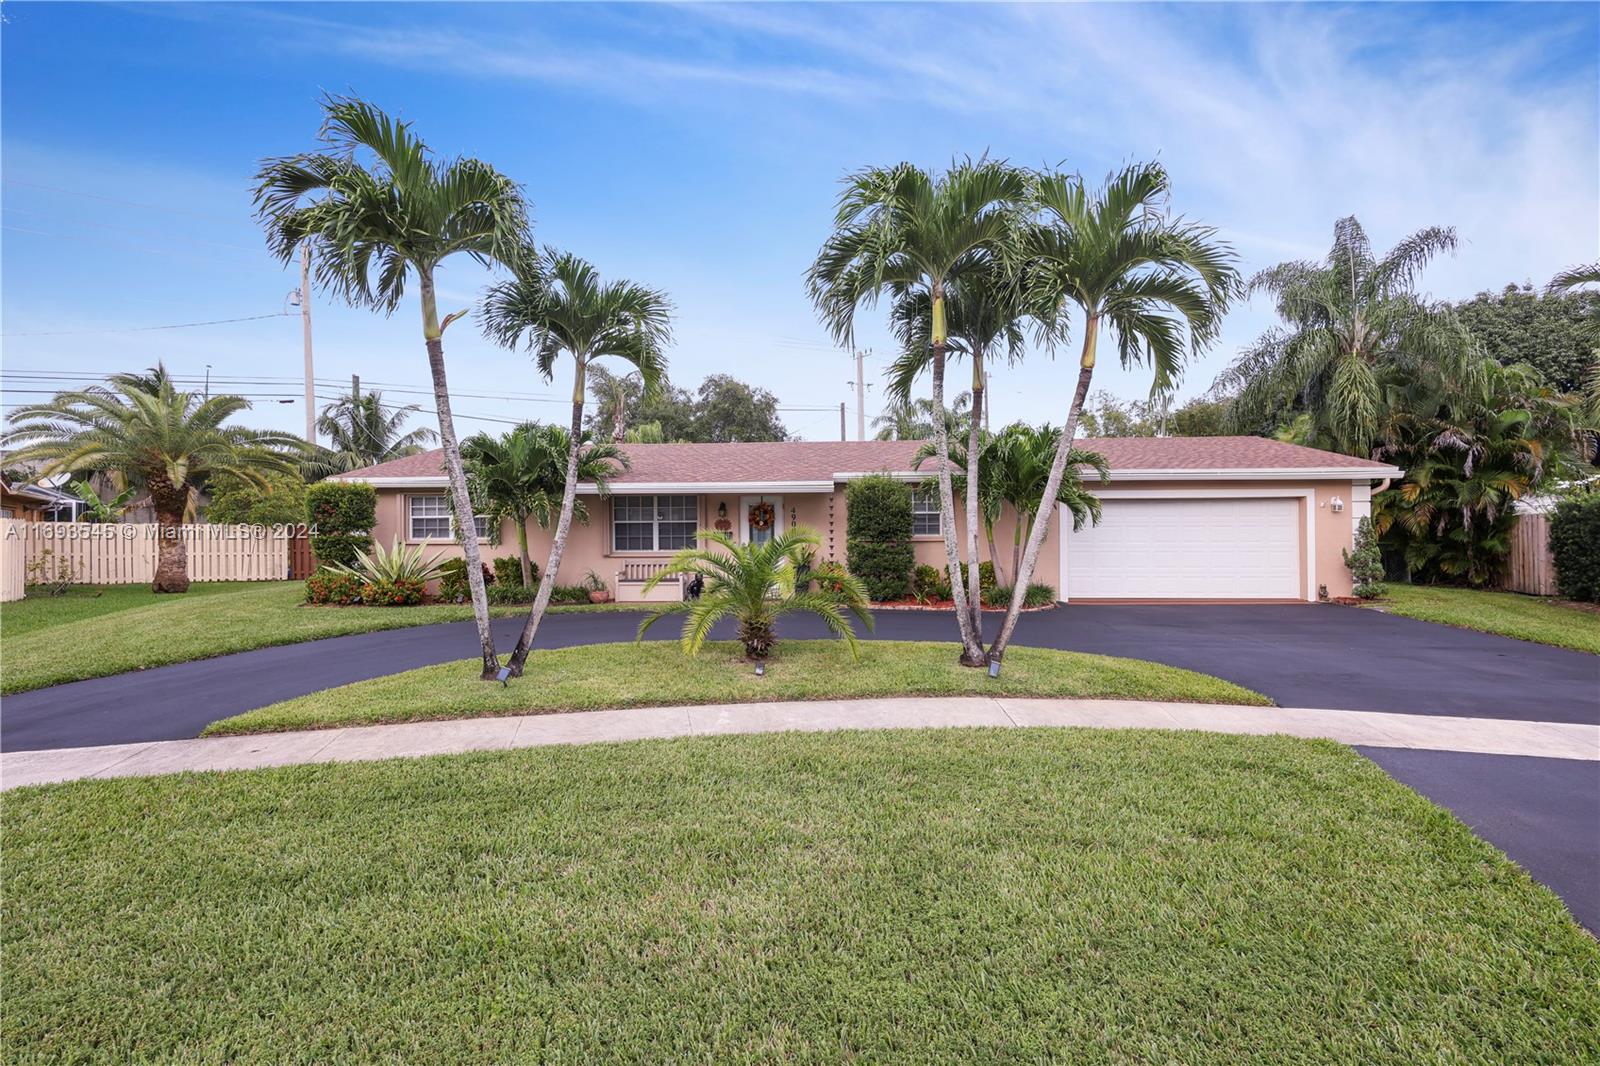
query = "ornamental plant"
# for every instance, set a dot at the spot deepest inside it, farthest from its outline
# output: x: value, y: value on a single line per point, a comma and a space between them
x: 453, y: 585
x: 333, y: 587
x: 401, y: 563
x: 878, y: 535
x: 1365, y: 562
x: 402, y: 592
x: 341, y: 515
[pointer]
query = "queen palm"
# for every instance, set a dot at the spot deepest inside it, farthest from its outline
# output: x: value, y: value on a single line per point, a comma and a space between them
x: 376, y: 208
x: 1356, y: 334
x: 984, y: 313
x: 555, y: 305
x: 152, y: 435
x: 901, y: 231
x: 1124, y: 264
x: 364, y: 431
x: 755, y: 585
x: 519, y: 476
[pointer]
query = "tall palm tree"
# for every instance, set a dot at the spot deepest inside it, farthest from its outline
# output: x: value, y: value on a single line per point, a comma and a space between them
x: 912, y: 419
x: 557, y: 304
x: 1124, y: 263
x: 376, y: 208
x: 519, y: 476
x: 169, y: 442
x: 900, y: 231
x: 1356, y: 335
x: 755, y: 585
x: 984, y: 313
x: 364, y: 431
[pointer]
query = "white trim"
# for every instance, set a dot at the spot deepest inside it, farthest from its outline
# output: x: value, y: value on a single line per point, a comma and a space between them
x: 1277, y: 473
x: 898, y: 475
x: 1308, y: 564
x: 418, y: 482
x: 704, y: 488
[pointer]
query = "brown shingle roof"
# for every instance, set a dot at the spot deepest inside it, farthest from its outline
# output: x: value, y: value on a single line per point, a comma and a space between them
x: 790, y: 461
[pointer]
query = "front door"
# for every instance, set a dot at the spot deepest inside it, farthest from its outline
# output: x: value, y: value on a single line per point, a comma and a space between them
x: 761, y: 518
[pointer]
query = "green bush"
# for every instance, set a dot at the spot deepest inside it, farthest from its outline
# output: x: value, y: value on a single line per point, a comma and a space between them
x: 511, y: 591
x: 341, y: 516
x: 333, y: 586
x: 829, y: 575
x: 878, y: 535
x: 1575, y: 544
x: 986, y: 576
x: 1365, y: 562
x: 401, y: 592
x: 926, y: 583
x: 453, y: 579
x: 570, y: 594
x: 1039, y: 595
x: 508, y: 570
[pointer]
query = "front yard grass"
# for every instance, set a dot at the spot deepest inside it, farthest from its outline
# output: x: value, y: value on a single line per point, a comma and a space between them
x: 1508, y: 614
x: 48, y: 640
x: 933, y: 896
x: 656, y: 673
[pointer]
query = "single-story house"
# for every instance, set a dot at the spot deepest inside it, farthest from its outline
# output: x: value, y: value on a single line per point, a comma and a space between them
x: 37, y: 503
x: 1185, y: 518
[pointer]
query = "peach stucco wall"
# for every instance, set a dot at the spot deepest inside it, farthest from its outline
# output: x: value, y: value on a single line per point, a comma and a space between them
x: 588, y: 547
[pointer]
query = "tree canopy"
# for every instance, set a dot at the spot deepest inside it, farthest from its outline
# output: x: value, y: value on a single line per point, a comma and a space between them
x: 1519, y: 324
x: 722, y: 410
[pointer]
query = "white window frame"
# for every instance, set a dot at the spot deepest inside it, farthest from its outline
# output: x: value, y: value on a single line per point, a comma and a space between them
x: 479, y: 521
x: 655, y: 522
x: 926, y: 496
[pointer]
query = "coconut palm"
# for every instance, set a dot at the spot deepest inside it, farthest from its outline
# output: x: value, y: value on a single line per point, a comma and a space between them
x: 167, y: 441
x: 901, y: 231
x: 984, y: 313
x: 364, y: 431
x: 519, y: 476
x: 376, y: 208
x: 557, y: 304
x: 1356, y: 335
x: 1154, y: 281
x: 755, y: 585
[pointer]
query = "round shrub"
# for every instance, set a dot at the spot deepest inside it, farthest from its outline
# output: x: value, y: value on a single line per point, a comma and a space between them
x: 927, y: 581
x: 1575, y: 545
x: 453, y: 579
x: 404, y: 592
x: 341, y: 516
x: 331, y: 586
x: 508, y: 570
x: 878, y: 535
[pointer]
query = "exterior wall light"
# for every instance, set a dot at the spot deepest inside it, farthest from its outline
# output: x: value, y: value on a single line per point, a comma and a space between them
x: 1337, y: 504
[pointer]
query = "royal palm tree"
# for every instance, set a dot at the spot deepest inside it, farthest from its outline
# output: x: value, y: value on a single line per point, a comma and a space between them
x: 1356, y: 335
x: 520, y: 475
x: 901, y: 231
x: 167, y: 441
x: 364, y: 431
x: 1126, y: 265
x: 375, y: 209
x: 983, y: 314
x: 558, y: 305
x: 755, y: 585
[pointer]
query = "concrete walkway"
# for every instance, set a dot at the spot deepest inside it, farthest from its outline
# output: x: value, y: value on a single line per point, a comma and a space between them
x: 1372, y: 729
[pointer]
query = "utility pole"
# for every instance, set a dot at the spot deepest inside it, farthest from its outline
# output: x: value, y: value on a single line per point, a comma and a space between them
x: 861, y: 395
x: 305, y: 327
x: 355, y: 387
x: 208, y: 381
x: 842, y: 435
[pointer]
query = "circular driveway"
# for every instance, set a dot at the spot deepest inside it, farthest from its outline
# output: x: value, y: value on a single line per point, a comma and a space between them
x: 1300, y: 655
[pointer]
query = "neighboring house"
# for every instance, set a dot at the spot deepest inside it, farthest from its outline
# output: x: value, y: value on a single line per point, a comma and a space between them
x: 37, y: 503
x: 1186, y: 518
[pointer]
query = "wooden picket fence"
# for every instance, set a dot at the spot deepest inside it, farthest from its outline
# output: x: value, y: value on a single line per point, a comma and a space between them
x: 1531, y: 567
x: 125, y: 553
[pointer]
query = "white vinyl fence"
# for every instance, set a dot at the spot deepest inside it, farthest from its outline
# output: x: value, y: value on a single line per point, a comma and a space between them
x: 125, y: 554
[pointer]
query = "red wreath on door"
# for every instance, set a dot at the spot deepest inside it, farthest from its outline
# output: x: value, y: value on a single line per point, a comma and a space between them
x: 762, y: 515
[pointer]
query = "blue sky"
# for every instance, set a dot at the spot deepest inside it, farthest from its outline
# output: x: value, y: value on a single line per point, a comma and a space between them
x: 698, y: 149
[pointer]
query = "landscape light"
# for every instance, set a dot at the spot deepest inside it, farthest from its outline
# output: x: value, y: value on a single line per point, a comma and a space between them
x: 994, y: 667
x: 504, y: 677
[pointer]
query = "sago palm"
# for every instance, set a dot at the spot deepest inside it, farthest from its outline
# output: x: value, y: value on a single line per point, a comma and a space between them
x: 557, y: 305
x: 903, y: 232
x: 519, y: 475
x: 375, y: 208
x: 755, y: 585
x: 151, y: 435
x: 1158, y: 284
x: 1356, y: 334
x: 364, y: 431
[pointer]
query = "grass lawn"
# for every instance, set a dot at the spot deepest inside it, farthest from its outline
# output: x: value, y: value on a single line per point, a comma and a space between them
x: 933, y: 896
x: 656, y: 673
x: 1509, y: 614
x: 48, y: 640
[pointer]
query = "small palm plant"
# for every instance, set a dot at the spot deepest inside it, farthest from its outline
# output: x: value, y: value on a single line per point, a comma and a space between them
x: 755, y: 584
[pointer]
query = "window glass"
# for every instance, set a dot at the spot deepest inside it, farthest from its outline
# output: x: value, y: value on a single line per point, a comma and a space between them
x: 924, y: 513
x: 430, y: 518
x: 653, y: 523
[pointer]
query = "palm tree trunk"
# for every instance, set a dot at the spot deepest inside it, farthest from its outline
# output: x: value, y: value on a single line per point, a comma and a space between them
x: 971, y: 645
x: 466, y: 528
x: 522, y: 546
x: 569, y: 494
x: 1058, y: 469
x: 994, y: 554
x: 172, y: 553
x: 1018, y: 535
x: 974, y: 438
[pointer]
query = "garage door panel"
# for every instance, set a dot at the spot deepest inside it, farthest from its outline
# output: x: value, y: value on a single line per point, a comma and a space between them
x: 1246, y: 548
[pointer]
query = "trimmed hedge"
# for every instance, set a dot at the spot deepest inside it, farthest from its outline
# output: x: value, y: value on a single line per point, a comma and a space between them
x: 878, y: 535
x: 1575, y: 544
x: 341, y: 516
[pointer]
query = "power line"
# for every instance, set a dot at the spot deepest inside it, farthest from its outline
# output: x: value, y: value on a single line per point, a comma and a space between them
x: 146, y: 329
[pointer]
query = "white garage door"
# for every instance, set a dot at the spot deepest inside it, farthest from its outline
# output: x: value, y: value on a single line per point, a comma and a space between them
x: 1216, y: 549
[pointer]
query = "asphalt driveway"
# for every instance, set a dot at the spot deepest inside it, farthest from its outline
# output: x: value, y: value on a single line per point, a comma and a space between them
x: 1298, y: 655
